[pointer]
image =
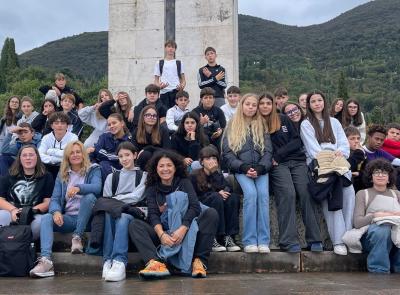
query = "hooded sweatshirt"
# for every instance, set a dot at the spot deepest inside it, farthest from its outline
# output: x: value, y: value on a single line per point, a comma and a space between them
x: 51, y: 150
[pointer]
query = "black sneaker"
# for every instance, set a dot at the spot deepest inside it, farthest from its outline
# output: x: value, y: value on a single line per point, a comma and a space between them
x: 230, y: 244
x: 217, y: 247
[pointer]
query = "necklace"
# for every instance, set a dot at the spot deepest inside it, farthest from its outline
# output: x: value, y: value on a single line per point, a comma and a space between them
x: 28, y: 178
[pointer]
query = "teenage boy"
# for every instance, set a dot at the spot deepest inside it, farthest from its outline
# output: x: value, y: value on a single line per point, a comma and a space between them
x: 169, y: 75
x: 67, y: 105
x: 60, y: 88
x: 357, y: 158
x: 213, y: 75
x: 392, y: 141
x: 152, y: 93
x: 52, y: 146
x: 175, y: 114
x: 373, y: 147
x: 233, y: 97
x: 25, y: 135
x: 211, y: 117
x: 281, y: 97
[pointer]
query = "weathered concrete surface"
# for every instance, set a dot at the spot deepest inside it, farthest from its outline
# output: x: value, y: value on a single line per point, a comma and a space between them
x: 327, y: 261
x: 136, y: 40
x: 219, y: 263
x: 271, y: 284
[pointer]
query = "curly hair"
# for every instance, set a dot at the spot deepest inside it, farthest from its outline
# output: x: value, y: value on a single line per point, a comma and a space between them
x: 379, y: 164
x: 151, y: 168
x: 375, y: 128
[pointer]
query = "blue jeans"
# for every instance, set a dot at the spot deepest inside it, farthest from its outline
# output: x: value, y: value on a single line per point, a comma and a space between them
x: 255, y: 209
x: 5, y: 219
x: 382, y: 253
x: 116, y: 239
x: 72, y: 223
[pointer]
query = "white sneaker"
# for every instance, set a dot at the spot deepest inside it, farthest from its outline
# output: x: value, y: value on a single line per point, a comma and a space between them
x: 217, y: 247
x: 251, y: 249
x: 263, y: 249
x: 117, y: 272
x: 106, y: 268
x: 340, y: 249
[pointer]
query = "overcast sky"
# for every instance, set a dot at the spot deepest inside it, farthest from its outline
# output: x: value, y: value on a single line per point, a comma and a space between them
x: 33, y: 23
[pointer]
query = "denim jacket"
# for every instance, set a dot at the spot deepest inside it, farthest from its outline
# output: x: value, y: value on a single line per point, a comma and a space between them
x: 181, y: 255
x: 92, y: 185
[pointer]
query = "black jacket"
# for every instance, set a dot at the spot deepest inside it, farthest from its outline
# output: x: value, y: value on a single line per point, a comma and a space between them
x: 165, y: 141
x: 216, y: 182
x: 107, y: 108
x: 216, y: 116
x: 286, y: 142
x: 186, y: 148
x: 44, y: 89
x: 41, y: 125
x: 115, y: 208
x: 204, y: 81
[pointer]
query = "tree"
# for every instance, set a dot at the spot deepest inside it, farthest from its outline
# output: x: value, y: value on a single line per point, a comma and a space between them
x: 8, y: 62
x: 342, y: 87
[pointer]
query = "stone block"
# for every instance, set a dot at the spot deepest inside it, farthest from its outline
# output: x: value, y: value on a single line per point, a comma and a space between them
x: 330, y: 262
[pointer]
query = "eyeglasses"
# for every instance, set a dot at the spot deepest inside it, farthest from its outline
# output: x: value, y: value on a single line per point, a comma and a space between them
x: 352, y: 107
x: 292, y: 112
x: 380, y: 173
x: 152, y: 116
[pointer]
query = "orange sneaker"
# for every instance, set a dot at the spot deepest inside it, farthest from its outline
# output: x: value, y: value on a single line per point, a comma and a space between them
x: 154, y: 269
x: 198, y: 269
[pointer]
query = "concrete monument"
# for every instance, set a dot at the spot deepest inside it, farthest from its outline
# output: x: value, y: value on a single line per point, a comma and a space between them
x: 139, y: 28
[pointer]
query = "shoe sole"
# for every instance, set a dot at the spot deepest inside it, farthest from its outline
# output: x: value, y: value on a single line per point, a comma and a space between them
x: 250, y: 251
x: 42, y: 275
x: 115, y: 279
x: 153, y: 276
x: 233, y: 249
x: 199, y: 276
x: 218, y: 250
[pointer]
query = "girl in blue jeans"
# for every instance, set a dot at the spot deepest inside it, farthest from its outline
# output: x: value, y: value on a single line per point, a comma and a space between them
x: 247, y: 151
x: 77, y: 187
x: 116, y: 240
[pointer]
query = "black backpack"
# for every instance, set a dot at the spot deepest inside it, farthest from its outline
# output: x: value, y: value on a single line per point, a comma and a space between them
x: 178, y: 67
x: 115, y: 180
x: 17, y: 250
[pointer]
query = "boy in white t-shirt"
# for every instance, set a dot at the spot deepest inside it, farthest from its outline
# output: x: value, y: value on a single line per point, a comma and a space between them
x: 233, y: 97
x: 169, y: 75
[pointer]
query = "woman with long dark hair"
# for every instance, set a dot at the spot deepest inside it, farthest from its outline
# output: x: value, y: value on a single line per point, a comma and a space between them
x: 352, y: 116
x: 320, y: 132
x: 176, y: 221
x: 289, y: 179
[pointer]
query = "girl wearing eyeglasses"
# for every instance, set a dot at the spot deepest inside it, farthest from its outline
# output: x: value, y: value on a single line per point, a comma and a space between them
x: 289, y: 178
x: 379, y: 201
x: 149, y: 136
x: 295, y: 113
x: 352, y: 116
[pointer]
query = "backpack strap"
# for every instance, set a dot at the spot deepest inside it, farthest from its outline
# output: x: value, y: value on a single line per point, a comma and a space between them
x: 161, y: 65
x: 138, y: 178
x: 393, y: 194
x: 115, y: 181
x: 179, y: 67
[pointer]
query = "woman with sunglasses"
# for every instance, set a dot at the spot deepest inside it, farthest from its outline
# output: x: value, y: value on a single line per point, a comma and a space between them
x: 149, y: 136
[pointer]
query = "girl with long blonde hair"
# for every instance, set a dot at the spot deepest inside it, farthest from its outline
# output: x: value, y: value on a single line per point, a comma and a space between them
x: 77, y: 187
x: 247, y: 151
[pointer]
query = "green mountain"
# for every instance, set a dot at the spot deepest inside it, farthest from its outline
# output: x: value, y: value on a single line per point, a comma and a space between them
x: 363, y: 43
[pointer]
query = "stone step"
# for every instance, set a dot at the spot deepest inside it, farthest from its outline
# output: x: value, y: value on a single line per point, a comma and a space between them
x: 230, y: 263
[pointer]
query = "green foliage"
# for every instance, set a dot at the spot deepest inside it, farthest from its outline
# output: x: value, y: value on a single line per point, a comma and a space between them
x: 342, y: 87
x: 8, y: 62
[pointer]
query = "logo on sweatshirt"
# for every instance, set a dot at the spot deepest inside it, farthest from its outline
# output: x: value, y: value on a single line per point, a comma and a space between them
x: 284, y: 129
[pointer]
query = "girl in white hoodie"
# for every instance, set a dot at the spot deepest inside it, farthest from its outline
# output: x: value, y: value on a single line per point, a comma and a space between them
x: 90, y: 115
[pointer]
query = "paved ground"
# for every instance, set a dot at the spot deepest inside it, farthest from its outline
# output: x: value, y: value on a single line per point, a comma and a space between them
x: 298, y: 283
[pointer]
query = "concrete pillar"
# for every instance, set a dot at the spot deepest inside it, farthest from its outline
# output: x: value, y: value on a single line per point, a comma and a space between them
x: 137, y: 31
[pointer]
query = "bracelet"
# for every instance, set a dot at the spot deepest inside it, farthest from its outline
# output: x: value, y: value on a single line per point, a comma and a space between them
x: 163, y: 233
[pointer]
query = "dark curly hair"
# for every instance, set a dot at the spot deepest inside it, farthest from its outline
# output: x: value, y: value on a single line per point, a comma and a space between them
x: 379, y: 164
x: 375, y: 128
x: 151, y: 168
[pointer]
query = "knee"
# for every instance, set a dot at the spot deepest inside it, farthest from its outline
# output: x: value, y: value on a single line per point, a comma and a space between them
x: 5, y: 217
x: 380, y: 233
x: 211, y: 215
x: 125, y: 218
x: 88, y: 199
x: 46, y: 219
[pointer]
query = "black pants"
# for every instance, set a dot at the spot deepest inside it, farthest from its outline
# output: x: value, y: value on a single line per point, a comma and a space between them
x: 228, y: 212
x: 289, y: 179
x: 168, y: 99
x: 146, y: 240
x: 53, y: 169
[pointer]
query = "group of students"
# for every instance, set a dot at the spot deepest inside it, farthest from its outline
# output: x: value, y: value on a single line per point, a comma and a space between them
x: 155, y: 173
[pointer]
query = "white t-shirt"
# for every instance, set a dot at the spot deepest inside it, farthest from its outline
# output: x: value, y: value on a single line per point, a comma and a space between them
x: 228, y: 111
x: 169, y: 74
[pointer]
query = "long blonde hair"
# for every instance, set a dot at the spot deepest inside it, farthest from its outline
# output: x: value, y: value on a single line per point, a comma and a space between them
x: 238, y: 130
x: 65, y: 165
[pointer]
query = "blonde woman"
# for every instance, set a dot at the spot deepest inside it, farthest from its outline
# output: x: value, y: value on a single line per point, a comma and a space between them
x: 77, y: 187
x: 247, y: 151
x: 91, y: 116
